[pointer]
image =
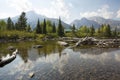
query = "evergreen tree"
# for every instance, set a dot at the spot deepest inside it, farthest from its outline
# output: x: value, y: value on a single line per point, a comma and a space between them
x: 22, y: 21
x: 106, y: 31
x: 28, y: 28
x: 13, y: 26
x: 49, y: 26
x: 44, y: 27
x: 53, y: 28
x: 38, y: 28
x: 9, y: 24
x: 92, y: 30
x: 73, y: 28
x: 60, y: 29
x: 115, y: 32
x: 16, y: 26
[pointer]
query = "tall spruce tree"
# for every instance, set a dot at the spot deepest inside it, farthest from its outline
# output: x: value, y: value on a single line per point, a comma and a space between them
x: 92, y: 30
x: 115, y: 32
x: 60, y: 29
x: 9, y: 24
x: 28, y: 28
x: 22, y: 21
x: 73, y: 28
x: 108, y: 31
x: 53, y: 28
x: 44, y: 27
x: 38, y: 28
x: 13, y: 26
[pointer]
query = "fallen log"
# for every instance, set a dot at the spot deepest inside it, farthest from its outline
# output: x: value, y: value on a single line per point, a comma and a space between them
x: 5, y: 61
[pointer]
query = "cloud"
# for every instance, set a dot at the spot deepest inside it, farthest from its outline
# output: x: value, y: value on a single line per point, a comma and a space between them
x: 57, y: 9
x: 20, y: 5
x: 103, y: 12
x: 6, y: 15
x: 118, y: 14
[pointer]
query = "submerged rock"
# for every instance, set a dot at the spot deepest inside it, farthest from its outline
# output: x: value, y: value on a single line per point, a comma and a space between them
x: 37, y: 46
x: 11, y: 48
x: 31, y: 74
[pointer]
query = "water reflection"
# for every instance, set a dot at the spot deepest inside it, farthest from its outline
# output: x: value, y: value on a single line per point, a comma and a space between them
x: 54, y: 62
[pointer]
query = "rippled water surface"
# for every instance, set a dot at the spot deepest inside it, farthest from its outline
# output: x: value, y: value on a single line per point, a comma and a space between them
x: 54, y: 62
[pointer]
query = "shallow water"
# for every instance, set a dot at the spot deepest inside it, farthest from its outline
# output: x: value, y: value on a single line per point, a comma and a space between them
x: 53, y: 62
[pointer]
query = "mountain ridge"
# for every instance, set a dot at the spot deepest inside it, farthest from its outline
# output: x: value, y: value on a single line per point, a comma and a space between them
x: 96, y: 21
x: 32, y: 18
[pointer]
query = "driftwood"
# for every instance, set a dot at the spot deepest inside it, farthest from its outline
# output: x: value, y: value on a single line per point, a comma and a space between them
x: 86, y: 41
x: 5, y: 61
x: 109, y: 43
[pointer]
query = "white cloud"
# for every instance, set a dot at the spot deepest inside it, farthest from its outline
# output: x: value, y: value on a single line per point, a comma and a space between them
x: 57, y: 8
x: 118, y: 14
x: 6, y: 15
x: 103, y: 12
x: 20, y: 5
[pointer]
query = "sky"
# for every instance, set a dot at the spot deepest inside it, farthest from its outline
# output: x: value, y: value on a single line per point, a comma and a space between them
x: 68, y: 10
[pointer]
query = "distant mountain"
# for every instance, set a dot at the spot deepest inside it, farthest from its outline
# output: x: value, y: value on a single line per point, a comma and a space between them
x: 96, y: 22
x: 111, y: 22
x: 85, y: 22
x: 32, y: 18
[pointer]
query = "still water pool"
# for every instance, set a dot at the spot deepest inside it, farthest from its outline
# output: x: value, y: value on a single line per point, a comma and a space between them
x: 54, y: 62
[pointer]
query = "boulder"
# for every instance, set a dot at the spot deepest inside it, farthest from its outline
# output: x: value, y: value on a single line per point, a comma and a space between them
x: 62, y: 43
x: 31, y: 74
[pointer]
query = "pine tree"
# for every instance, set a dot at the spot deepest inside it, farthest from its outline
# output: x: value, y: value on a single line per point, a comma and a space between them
x: 92, y: 30
x: 53, y: 28
x: 44, y: 27
x: 28, y: 28
x: 115, y: 32
x: 73, y: 28
x: 16, y: 26
x: 60, y: 29
x: 9, y: 24
x: 22, y: 21
x: 108, y: 31
x: 38, y: 28
x: 13, y: 26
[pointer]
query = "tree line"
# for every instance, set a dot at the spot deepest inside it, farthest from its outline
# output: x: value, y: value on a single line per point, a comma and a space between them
x: 104, y: 31
x: 46, y: 27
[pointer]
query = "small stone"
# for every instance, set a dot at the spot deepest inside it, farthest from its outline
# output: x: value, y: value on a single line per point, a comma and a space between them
x: 31, y: 74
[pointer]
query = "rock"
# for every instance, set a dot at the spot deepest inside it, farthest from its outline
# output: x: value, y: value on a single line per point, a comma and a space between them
x: 62, y: 43
x: 31, y: 74
x: 38, y: 46
x: 11, y: 48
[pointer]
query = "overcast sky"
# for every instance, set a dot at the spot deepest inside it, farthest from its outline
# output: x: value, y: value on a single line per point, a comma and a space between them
x: 68, y: 10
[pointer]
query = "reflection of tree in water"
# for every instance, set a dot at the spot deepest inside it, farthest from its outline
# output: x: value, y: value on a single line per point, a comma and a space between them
x: 4, y: 49
x: 50, y: 47
x: 24, y: 54
x: 27, y: 51
x: 23, y: 48
x: 60, y: 49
